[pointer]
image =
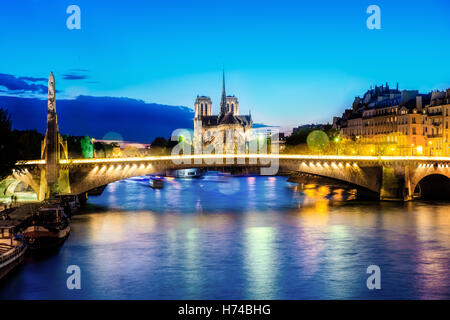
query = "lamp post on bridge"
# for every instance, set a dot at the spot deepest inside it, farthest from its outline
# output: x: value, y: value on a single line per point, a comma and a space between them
x: 337, y: 140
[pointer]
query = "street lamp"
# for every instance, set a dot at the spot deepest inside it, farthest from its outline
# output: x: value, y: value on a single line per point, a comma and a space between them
x: 337, y: 140
x: 357, y: 144
x: 419, y: 150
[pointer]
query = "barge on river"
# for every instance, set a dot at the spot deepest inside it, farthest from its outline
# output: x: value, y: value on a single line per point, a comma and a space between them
x: 12, y: 250
x: 49, y: 228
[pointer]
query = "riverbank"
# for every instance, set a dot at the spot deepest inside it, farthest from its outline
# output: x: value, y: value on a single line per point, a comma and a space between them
x: 19, y: 216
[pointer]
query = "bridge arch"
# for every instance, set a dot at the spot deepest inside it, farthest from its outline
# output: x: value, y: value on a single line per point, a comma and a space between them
x: 12, y: 186
x: 433, y: 186
x: 439, y: 177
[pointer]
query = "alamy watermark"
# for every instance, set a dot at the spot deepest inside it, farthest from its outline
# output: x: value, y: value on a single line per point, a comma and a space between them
x: 218, y: 146
x: 74, y: 280
x: 74, y: 20
x: 374, y: 280
x: 374, y: 20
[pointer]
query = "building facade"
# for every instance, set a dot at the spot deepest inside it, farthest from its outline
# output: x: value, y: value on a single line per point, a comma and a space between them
x: 226, y: 132
x: 407, y: 122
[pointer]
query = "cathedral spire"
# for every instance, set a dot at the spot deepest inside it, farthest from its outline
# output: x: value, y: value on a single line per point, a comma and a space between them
x: 223, y: 101
x: 223, y: 82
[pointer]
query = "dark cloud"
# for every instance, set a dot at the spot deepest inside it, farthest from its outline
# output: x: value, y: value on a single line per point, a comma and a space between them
x: 69, y: 76
x: 32, y: 79
x: 134, y: 120
x: 76, y: 74
x: 21, y: 84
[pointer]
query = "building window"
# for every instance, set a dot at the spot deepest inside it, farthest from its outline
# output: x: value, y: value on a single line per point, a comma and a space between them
x: 414, y: 131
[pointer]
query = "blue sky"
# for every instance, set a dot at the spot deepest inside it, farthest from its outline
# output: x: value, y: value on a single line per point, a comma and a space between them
x: 290, y: 62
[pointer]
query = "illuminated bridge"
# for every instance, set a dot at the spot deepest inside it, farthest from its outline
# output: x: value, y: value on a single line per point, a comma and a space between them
x: 387, y: 177
x: 384, y: 177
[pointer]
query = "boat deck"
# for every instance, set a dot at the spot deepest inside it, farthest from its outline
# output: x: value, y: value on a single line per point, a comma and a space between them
x: 5, y: 249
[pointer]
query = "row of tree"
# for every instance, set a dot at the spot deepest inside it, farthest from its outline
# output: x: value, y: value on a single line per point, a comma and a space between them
x: 16, y: 145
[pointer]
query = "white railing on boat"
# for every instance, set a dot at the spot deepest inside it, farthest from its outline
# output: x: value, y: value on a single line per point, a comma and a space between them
x: 12, y: 255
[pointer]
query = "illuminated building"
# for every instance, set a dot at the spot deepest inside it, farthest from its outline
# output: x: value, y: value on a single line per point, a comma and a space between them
x: 405, y: 121
x: 228, y: 124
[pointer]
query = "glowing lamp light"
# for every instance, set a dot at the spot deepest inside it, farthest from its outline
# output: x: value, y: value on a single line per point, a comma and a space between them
x: 420, y: 149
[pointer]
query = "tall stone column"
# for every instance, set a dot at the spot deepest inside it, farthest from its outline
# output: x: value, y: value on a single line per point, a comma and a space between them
x: 51, y: 136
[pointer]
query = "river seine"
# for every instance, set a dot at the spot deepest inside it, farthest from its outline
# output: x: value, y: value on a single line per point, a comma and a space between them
x: 243, y: 238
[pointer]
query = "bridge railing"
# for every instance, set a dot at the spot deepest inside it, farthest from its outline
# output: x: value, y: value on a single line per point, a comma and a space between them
x: 254, y: 157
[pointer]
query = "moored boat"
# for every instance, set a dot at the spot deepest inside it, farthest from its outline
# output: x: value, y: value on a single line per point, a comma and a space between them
x: 188, y: 173
x: 156, y: 182
x: 12, y: 250
x: 50, y: 228
x: 70, y: 202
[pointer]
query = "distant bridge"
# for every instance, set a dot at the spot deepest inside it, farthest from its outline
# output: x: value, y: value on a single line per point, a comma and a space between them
x: 387, y: 177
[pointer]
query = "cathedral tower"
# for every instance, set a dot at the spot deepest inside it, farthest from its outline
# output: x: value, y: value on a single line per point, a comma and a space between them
x: 203, y: 107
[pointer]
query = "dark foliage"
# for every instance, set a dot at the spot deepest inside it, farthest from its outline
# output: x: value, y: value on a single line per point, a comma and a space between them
x: 8, y: 151
x: 74, y: 146
x: 28, y: 144
x: 159, y: 142
x: 299, y: 137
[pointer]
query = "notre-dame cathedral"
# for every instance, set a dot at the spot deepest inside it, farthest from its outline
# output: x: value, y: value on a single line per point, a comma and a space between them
x: 217, y: 130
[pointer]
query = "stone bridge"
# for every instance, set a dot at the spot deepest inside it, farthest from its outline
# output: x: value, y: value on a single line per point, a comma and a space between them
x: 385, y: 177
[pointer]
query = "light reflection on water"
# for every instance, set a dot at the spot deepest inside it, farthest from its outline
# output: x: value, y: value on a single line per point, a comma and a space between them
x: 243, y: 238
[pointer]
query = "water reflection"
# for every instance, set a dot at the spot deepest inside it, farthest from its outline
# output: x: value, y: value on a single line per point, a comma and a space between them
x: 260, y: 262
x: 244, y: 238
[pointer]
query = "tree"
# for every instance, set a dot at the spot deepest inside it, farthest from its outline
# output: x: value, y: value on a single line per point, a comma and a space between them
x: 103, y: 150
x: 298, y: 137
x: 159, y: 146
x: 87, y: 150
x: 28, y: 144
x: 73, y: 146
x: 317, y: 140
x: 8, y: 149
x: 159, y: 142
